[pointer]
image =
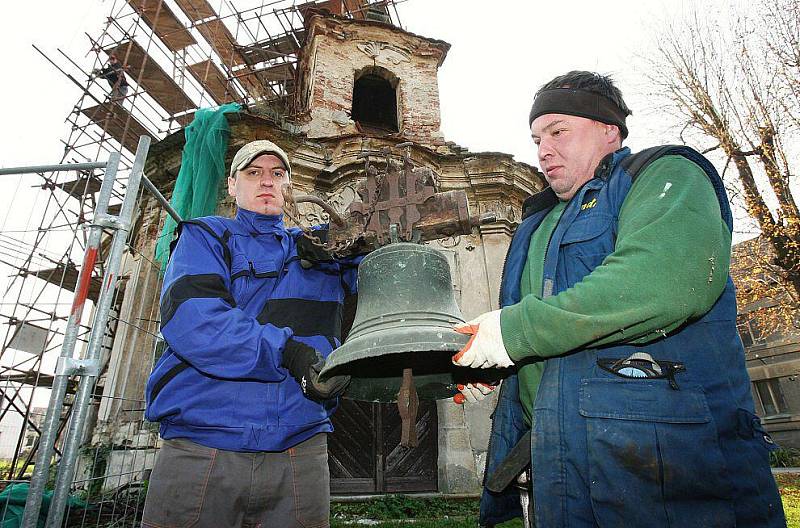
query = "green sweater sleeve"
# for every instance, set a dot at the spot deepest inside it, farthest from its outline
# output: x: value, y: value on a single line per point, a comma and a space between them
x: 669, y: 265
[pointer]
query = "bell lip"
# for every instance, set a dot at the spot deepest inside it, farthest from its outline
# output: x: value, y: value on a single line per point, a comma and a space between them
x: 434, y: 387
x: 436, y: 322
x: 430, y: 338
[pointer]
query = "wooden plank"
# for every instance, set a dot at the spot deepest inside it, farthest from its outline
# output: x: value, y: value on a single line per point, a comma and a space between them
x: 257, y: 83
x: 185, y: 119
x: 118, y: 123
x: 351, y: 448
x: 164, y: 23
x: 409, y: 469
x: 213, y: 81
x: 38, y: 379
x: 251, y: 83
x: 196, y: 10
x: 780, y: 369
x: 365, y: 455
x: 334, y: 7
x: 276, y: 73
x: 268, y: 50
x: 65, y: 277
x: 81, y: 186
x: 220, y: 38
x: 356, y: 9
x: 150, y: 76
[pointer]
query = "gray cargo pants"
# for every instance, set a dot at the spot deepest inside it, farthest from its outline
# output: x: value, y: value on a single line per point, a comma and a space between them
x: 196, y: 486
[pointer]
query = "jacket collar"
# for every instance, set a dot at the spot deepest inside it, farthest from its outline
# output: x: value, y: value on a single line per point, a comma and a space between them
x: 546, y: 198
x: 610, y: 162
x: 260, y: 223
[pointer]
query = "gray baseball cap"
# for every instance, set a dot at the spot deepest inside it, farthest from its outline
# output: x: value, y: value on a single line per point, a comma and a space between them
x: 254, y: 149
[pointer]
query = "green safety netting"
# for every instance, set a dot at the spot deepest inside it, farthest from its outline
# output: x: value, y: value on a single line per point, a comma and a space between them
x: 12, y: 505
x: 202, y: 167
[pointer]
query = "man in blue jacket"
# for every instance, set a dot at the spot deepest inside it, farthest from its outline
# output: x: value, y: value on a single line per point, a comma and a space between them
x: 620, y: 316
x: 247, y: 325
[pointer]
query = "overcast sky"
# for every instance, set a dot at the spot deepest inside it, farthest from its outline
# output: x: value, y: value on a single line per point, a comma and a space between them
x: 501, y: 52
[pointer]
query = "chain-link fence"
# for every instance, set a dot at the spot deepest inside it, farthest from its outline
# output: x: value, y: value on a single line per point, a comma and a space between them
x: 80, y: 343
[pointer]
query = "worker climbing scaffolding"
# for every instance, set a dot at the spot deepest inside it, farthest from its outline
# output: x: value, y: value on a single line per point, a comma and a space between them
x: 114, y: 73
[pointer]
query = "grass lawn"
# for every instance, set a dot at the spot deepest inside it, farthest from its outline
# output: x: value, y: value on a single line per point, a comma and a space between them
x: 390, y: 510
x: 789, y: 485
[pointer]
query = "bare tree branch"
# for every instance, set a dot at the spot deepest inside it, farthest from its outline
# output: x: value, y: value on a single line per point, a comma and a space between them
x: 736, y: 82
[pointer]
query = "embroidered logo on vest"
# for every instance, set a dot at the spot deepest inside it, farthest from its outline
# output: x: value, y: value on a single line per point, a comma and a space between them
x: 588, y: 205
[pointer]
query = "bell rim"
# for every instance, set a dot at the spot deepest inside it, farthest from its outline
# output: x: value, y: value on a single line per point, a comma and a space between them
x: 393, y: 320
x: 450, y: 341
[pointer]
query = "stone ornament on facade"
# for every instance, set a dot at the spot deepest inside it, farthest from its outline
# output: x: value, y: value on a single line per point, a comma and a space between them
x: 449, y: 242
x: 383, y: 52
x: 341, y: 118
x: 501, y: 210
x: 341, y: 199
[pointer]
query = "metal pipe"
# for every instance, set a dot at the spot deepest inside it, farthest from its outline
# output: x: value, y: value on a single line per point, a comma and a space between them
x: 41, y: 470
x: 81, y: 406
x: 337, y: 219
x: 160, y: 199
x: 55, y: 168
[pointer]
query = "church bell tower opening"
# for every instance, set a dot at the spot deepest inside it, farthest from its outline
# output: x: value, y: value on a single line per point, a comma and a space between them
x: 375, y: 99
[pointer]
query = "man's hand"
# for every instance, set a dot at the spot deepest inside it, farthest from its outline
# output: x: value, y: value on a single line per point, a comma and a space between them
x: 304, y: 363
x: 311, y: 254
x: 473, y: 392
x: 485, y: 349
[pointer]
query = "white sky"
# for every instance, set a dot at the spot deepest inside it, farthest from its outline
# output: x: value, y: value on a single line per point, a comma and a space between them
x: 499, y: 56
x: 502, y: 51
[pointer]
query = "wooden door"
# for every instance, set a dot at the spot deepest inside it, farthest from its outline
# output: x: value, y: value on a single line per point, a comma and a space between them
x: 365, y: 455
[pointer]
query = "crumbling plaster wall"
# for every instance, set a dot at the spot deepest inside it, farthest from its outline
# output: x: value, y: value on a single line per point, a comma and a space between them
x: 339, y: 48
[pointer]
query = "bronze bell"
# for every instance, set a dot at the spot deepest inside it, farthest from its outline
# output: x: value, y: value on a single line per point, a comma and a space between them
x: 406, y: 310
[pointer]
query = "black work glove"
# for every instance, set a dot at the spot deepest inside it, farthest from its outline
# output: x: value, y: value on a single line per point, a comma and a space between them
x: 304, y: 363
x: 311, y: 254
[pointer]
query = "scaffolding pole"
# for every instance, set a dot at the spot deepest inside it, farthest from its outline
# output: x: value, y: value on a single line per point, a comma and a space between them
x: 89, y: 374
x: 50, y: 426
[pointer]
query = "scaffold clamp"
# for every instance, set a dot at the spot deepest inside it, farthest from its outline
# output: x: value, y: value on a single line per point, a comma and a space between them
x: 67, y: 366
x: 111, y: 222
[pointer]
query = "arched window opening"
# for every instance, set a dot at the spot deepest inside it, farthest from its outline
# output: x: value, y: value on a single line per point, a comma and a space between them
x: 375, y: 102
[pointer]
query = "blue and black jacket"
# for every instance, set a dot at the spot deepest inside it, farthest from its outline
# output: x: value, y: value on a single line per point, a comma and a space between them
x: 234, y: 295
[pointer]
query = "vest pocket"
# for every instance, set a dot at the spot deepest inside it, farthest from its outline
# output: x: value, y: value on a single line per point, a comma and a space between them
x: 585, y: 245
x: 654, y: 455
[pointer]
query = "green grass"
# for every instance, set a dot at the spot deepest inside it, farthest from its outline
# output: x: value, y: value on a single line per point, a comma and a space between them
x: 442, y: 523
x: 390, y: 510
x: 789, y: 486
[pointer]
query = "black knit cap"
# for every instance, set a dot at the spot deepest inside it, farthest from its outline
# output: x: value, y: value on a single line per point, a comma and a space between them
x: 581, y: 103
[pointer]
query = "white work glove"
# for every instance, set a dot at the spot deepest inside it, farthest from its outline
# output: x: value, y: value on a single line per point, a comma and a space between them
x: 485, y: 349
x: 473, y: 392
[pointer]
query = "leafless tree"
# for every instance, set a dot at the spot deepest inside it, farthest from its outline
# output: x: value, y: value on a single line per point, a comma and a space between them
x: 733, y: 82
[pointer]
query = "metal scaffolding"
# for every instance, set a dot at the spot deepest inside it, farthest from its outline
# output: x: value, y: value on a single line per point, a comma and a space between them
x: 176, y: 56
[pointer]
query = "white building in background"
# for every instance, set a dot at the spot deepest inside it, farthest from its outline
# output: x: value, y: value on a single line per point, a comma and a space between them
x: 10, y: 428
